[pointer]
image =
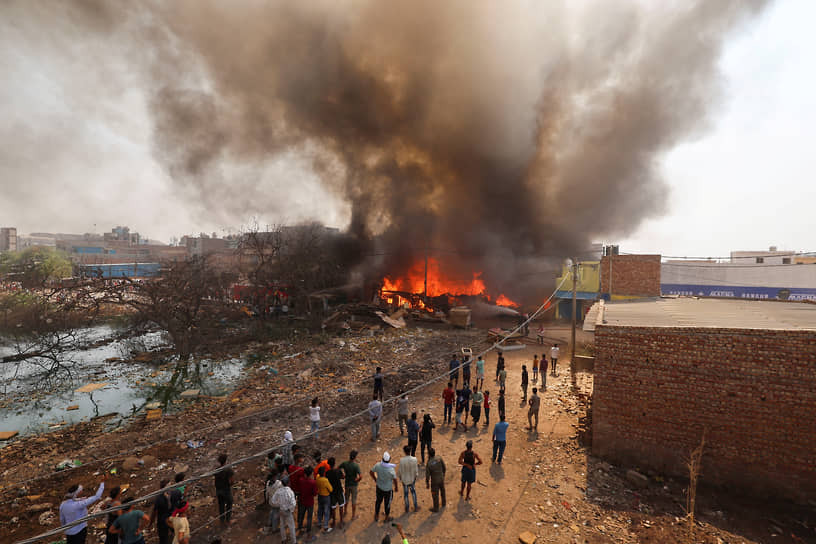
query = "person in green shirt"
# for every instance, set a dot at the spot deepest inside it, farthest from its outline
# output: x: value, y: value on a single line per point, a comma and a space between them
x: 130, y: 524
x: 353, y: 474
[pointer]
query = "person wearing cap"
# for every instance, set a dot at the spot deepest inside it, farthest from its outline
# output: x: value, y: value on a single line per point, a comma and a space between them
x: 469, y: 459
x: 180, y: 524
x: 286, y: 449
x: 130, y: 524
x: 385, y: 476
x: 74, y: 507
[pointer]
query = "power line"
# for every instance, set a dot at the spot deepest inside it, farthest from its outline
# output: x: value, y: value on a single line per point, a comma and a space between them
x: 265, y: 452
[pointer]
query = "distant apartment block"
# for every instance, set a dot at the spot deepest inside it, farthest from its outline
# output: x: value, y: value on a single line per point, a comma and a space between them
x: 8, y: 239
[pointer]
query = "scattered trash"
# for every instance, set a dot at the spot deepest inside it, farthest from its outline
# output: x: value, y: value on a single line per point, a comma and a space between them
x: 195, y: 444
x: 68, y: 463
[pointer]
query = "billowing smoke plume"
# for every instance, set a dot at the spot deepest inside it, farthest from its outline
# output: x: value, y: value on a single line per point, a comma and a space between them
x: 495, y: 133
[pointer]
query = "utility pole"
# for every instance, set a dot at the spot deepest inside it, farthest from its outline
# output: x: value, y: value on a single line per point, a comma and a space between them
x: 574, y: 312
x: 425, y: 291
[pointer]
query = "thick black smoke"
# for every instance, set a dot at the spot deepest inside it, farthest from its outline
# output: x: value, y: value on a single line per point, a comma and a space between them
x: 494, y: 133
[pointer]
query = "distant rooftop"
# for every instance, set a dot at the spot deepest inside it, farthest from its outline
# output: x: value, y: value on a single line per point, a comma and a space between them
x: 704, y: 312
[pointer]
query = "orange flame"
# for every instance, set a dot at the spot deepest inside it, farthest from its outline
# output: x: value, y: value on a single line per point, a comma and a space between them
x: 413, y: 281
x: 504, y: 301
x: 438, y: 283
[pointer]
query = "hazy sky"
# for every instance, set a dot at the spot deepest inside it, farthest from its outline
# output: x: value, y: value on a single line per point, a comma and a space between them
x: 82, y: 161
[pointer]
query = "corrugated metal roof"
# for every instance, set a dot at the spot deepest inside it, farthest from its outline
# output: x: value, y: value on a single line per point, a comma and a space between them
x: 704, y: 312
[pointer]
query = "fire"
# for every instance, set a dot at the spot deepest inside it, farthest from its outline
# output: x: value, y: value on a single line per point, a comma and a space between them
x: 439, y: 283
x: 504, y: 301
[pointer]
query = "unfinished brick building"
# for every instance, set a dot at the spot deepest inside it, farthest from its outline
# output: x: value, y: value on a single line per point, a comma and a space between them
x: 743, y: 371
x: 630, y: 276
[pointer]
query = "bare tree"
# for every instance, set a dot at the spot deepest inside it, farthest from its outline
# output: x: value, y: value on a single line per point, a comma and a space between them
x: 188, y: 301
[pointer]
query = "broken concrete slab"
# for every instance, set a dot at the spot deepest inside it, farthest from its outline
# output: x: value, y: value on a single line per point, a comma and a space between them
x: 8, y: 435
x: 190, y: 393
x: 637, y: 479
x: 91, y: 387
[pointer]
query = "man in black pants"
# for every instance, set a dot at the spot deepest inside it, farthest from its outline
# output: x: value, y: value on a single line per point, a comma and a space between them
x: 223, y: 490
x: 160, y: 513
x: 499, y: 365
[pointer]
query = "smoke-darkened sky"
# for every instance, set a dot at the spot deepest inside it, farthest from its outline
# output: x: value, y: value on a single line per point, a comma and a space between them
x: 514, y: 128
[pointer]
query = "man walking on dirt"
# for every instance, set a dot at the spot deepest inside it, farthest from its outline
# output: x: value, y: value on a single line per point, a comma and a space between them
x: 555, y: 352
x: 385, y: 476
x: 524, y: 381
x: 448, y: 397
x: 223, y: 490
x: 408, y: 471
x: 499, y: 365
x: 435, y: 479
x: 375, y: 413
x: 351, y: 470
x: 499, y: 440
x: 476, y: 408
x: 469, y: 460
x: 535, y: 404
x: 453, y: 366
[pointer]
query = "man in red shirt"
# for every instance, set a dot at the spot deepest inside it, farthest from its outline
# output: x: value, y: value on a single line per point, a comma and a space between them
x: 448, y: 396
x: 306, y: 498
x: 296, y: 473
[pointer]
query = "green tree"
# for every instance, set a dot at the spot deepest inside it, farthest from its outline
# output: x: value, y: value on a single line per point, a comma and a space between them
x: 35, y: 266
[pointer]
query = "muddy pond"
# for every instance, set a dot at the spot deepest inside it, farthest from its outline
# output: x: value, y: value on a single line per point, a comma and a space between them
x: 32, y: 403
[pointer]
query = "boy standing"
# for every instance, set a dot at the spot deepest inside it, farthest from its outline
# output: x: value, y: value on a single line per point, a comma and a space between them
x: 448, y: 396
x: 524, y: 381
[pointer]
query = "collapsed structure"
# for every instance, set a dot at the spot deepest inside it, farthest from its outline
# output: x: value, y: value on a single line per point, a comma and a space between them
x: 669, y: 370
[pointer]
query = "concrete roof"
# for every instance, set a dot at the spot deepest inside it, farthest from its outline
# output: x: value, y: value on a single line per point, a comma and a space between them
x: 703, y: 312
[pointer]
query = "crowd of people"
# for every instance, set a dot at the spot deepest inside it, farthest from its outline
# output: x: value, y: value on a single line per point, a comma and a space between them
x: 301, y: 489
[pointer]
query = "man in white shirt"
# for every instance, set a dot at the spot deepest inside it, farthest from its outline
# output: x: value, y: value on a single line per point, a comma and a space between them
x: 408, y: 471
x: 554, y: 353
x: 284, y: 500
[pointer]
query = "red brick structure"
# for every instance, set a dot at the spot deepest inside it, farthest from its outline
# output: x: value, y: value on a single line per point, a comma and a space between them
x: 754, y: 390
x: 632, y: 275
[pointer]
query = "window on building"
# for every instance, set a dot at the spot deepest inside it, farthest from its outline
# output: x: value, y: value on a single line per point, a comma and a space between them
x: 786, y: 260
x: 760, y: 260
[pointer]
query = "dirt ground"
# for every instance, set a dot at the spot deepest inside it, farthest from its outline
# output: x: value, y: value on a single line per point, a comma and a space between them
x: 548, y: 485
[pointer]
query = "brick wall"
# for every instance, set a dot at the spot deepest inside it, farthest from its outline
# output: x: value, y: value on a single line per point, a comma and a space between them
x: 656, y: 389
x: 632, y: 275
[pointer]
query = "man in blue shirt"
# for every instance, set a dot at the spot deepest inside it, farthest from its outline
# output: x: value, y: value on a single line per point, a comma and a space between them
x: 74, y: 508
x: 499, y: 439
